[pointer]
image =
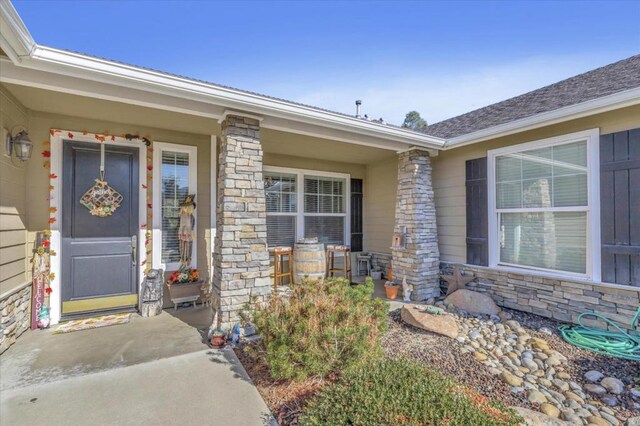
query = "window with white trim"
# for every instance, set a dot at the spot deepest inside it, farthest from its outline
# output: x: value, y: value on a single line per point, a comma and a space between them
x: 281, y: 195
x: 540, y: 205
x: 174, y: 177
x: 305, y: 204
x: 324, y: 208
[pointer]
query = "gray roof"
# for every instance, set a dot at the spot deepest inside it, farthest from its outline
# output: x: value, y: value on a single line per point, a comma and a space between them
x: 607, y: 80
x: 223, y: 86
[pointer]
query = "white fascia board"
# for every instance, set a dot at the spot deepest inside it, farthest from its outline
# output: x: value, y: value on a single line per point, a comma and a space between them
x: 596, y: 106
x: 88, y: 68
x: 15, y: 39
x: 30, y: 77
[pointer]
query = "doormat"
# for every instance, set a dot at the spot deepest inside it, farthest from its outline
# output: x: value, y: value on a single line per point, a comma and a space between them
x: 89, y: 323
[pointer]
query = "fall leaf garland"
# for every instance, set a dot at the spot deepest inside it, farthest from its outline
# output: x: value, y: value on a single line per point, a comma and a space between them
x: 53, y: 181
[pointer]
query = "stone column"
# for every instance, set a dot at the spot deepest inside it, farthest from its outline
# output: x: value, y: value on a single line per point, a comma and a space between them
x: 241, y: 260
x: 416, y: 217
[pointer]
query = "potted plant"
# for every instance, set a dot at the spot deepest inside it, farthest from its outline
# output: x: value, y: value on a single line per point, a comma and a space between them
x: 184, y: 285
x: 217, y: 336
x: 391, y: 288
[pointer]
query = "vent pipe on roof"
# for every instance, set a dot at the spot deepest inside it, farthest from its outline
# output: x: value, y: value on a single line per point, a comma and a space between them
x: 358, y: 104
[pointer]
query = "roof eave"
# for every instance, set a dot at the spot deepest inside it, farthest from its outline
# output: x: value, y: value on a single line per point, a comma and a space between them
x: 23, y: 51
x: 81, y: 66
x: 595, y: 106
x: 15, y: 39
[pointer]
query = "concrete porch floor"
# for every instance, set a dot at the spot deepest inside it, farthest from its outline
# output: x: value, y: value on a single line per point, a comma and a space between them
x: 380, y: 293
x: 150, y: 371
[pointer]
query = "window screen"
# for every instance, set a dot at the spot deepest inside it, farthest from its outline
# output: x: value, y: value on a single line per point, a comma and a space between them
x: 324, y: 195
x: 325, y: 208
x: 328, y: 229
x: 175, y: 186
x: 541, y: 202
x: 281, y: 195
x: 281, y: 230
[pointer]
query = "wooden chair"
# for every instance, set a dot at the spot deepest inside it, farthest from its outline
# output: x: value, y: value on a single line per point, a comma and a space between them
x: 280, y: 271
x: 346, y: 265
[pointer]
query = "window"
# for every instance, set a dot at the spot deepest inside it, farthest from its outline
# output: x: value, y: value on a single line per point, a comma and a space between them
x: 305, y: 204
x: 280, y: 191
x: 174, y: 178
x: 324, y: 208
x: 540, y: 212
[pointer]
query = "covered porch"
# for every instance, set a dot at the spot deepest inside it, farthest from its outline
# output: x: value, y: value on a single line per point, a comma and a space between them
x: 261, y: 178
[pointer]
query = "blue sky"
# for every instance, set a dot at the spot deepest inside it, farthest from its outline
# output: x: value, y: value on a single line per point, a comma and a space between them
x: 439, y: 58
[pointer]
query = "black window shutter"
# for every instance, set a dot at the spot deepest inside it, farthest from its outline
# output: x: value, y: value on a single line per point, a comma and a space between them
x: 477, y: 215
x: 356, y: 215
x: 620, y: 207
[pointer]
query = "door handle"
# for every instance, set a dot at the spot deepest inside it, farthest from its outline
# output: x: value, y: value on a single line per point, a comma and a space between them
x: 134, y: 244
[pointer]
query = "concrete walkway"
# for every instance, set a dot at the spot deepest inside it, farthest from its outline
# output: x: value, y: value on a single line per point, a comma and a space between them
x: 201, y: 388
x: 154, y: 371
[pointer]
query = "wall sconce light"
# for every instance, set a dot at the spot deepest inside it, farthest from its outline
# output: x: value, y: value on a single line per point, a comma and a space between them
x: 20, y: 144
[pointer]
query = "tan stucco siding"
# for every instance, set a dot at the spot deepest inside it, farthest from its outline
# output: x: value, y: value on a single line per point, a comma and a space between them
x: 449, y: 172
x: 37, y: 182
x: 380, y: 187
x: 356, y: 171
x: 13, y: 205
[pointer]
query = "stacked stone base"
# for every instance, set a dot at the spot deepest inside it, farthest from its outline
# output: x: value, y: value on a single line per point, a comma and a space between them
x: 15, y: 316
x: 563, y: 300
x: 420, y: 270
x: 416, y: 256
x: 241, y: 260
x: 381, y: 262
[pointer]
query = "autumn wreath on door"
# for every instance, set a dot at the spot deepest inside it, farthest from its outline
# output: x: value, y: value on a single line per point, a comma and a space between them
x: 101, y: 199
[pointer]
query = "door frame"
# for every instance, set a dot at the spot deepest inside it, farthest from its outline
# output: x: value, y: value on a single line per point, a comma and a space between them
x: 57, y: 138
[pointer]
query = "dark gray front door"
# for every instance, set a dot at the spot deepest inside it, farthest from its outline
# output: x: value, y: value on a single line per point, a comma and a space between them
x: 99, y: 267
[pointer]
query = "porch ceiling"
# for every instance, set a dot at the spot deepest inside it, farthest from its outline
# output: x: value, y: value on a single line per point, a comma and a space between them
x: 275, y: 142
x: 48, y: 101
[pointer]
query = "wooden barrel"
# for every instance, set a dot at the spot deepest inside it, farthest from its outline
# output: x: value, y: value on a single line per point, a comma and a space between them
x: 308, y: 261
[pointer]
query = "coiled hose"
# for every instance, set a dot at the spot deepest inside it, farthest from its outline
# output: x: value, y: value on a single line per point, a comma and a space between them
x: 619, y: 344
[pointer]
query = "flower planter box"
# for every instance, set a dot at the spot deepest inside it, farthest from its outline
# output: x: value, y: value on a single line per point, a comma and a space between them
x: 187, y: 292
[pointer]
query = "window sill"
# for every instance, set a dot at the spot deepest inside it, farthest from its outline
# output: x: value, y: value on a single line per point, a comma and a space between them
x: 172, y: 267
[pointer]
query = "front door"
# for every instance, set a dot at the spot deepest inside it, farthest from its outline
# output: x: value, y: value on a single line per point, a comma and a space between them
x: 99, y: 267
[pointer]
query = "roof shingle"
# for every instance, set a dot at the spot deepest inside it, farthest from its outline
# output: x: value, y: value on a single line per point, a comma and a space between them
x: 617, y: 77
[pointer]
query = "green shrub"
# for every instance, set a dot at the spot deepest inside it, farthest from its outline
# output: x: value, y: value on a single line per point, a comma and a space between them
x: 321, y: 329
x: 402, y: 392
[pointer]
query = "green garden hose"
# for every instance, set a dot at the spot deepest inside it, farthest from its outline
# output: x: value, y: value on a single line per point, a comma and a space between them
x: 619, y: 344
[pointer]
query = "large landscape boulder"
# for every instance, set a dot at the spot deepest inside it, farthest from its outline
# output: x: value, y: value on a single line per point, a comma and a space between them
x: 440, y: 324
x: 473, y: 302
x: 534, y: 418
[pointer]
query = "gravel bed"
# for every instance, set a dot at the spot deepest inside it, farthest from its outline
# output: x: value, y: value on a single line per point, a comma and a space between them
x: 443, y: 354
x: 580, y: 360
x: 521, y: 360
x: 471, y: 360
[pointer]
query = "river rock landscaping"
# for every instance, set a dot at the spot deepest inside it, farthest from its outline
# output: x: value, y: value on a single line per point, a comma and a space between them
x: 524, y: 362
x: 494, y: 361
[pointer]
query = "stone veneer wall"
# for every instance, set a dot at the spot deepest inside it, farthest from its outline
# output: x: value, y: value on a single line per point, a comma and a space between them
x: 241, y: 260
x: 381, y: 261
x: 15, y: 316
x: 416, y: 216
x: 562, y: 300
